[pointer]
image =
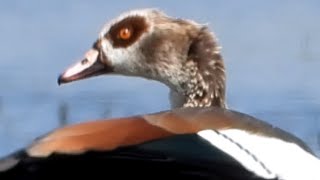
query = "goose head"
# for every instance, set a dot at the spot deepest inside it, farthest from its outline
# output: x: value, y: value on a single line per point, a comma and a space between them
x: 182, y: 54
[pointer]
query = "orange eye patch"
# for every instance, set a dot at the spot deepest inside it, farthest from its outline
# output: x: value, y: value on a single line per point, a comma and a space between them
x: 125, y: 33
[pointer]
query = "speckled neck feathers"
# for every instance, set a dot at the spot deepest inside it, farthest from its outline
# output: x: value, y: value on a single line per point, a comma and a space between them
x: 206, y: 84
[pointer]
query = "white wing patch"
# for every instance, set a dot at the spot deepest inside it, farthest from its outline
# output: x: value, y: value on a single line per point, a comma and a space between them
x: 265, y: 156
x: 235, y: 150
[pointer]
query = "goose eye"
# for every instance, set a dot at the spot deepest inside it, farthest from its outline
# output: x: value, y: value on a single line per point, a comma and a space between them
x: 125, y: 33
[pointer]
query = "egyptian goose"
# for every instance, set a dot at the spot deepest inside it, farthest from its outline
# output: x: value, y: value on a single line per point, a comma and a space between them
x: 198, y: 139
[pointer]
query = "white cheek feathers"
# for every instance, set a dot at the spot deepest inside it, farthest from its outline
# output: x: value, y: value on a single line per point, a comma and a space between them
x: 123, y: 60
x: 116, y: 56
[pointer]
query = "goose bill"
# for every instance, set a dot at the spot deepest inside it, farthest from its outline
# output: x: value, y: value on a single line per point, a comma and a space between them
x: 90, y: 66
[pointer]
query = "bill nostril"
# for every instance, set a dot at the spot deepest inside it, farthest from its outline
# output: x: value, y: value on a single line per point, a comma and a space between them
x: 85, y: 61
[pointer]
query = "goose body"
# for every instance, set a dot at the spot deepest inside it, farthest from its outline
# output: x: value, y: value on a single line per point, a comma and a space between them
x: 198, y: 139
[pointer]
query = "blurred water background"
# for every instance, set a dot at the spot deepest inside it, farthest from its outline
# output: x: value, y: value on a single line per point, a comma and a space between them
x: 271, y: 50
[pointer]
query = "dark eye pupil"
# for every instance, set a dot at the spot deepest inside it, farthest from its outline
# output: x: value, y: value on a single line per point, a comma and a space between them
x: 125, y: 33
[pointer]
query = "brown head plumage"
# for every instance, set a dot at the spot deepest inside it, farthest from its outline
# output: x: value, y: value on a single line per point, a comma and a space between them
x: 180, y: 53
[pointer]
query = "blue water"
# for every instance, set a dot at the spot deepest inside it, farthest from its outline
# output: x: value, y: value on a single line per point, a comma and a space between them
x: 271, y: 50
